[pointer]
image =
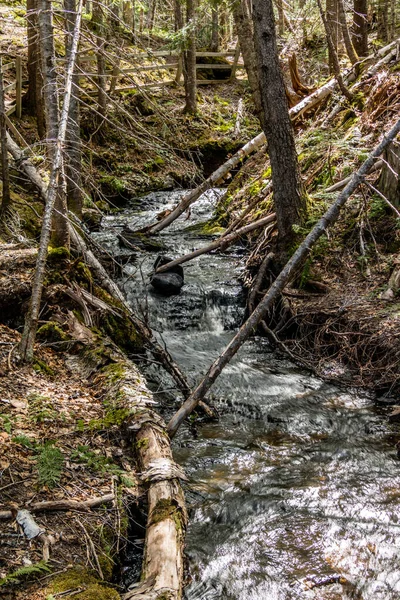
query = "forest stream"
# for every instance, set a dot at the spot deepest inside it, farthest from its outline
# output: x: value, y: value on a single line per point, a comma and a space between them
x: 294, y: 492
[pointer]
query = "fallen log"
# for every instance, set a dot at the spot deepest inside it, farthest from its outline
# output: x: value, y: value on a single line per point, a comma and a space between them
x: 291, y: 267
x: 221, y: 242
x: 162, y: 569
x: 339, y: 185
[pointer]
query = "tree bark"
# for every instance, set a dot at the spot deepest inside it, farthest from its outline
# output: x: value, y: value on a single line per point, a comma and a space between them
x: 245, y: 33
x: 31, y: 320
x: 150, y: 15
x: 383, y: 20
x: 351, y: 53
x: 98, y: 20
x: 291, y: 268
x: 360, y: 31
x: 5, y: 174
x: 73, y: 154
x: 333, y: 54
x: 189, y: 59
x: 332, y: 17
x: 178, y: 18
x: 289, y: 194
x: 59, y: 233
x: 34, y: 96
x: 389, y: 183
x: 214, y: 45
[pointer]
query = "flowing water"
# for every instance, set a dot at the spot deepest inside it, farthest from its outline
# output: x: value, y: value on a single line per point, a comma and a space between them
x: 297, y: 484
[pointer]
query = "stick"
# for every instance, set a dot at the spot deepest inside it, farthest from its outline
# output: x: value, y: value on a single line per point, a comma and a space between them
x: 222, y: 242
x: 277, y: 287
x: 55, y: 505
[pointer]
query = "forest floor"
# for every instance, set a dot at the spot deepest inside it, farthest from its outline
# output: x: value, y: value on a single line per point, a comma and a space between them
x: 60, y: 441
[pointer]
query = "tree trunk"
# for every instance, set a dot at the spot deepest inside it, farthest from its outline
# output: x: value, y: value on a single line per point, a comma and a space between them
x: 5, y: 175
x: 389, y: 183
x: 332, y: 17
x: 31, y: 320
x: 382, y: 16
x: 289, y: 194
x: 60, y: 235
x: 189, y: 59
x: 178, y: 18
x: 333, y: 54
x: 150, y: 15
x: 360, y: 31
x: 281, y: 17
x: 34, y: 97
x: 98, y: 20
x: 245, y: 33
x: 214, y: 28
x: 291, y: 268
x: 73, y: 158
x: 351, y: 53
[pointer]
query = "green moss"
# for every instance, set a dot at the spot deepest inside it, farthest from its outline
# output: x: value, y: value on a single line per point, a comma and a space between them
x: 142, y: 443
x: 114, y: 372
x: 52, y: 332
x: 164, y: 509
x: 82, y: 273
x: 57, y: 255
x: 122, y: 331
x: 41, y: 367
x: 93, y: 589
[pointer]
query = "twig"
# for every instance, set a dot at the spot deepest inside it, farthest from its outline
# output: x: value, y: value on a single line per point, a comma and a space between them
x: 93, y: 549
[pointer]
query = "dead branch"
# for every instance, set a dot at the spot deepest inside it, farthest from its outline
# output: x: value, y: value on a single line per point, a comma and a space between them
x: 221, y: 242
x: 61, y: 505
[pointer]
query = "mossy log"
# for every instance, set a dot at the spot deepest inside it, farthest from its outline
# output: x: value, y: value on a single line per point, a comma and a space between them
x: 162, y: 571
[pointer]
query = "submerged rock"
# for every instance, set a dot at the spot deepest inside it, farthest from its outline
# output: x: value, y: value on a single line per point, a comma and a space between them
x: 170, y: 282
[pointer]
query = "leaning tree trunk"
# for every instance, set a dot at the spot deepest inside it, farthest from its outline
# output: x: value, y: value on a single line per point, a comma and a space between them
x: 60, y: 232
x: 245, y: 33
x: 292, y: 267
x: 73, y: 158
x: 189, y: 59
x: 351, y: 53
x: 31, y: 320
x: 5, y: 174
x: 360, y: 31
x: 289, y: 194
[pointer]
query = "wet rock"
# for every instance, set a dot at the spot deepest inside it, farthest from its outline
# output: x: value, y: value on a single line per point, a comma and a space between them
x: 170, y: 282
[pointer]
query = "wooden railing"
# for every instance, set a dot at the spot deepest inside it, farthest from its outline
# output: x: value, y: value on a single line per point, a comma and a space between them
x: 16, y: 105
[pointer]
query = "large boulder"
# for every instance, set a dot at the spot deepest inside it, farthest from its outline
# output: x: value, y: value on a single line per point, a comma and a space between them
x: 170, y: 282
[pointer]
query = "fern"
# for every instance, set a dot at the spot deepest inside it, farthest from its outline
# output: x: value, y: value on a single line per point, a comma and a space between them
x: 50, y: 464
x: 28, y: 572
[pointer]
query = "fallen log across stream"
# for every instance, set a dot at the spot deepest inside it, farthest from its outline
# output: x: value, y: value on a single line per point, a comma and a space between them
x: 292, y: 266
x: 221, y: 242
